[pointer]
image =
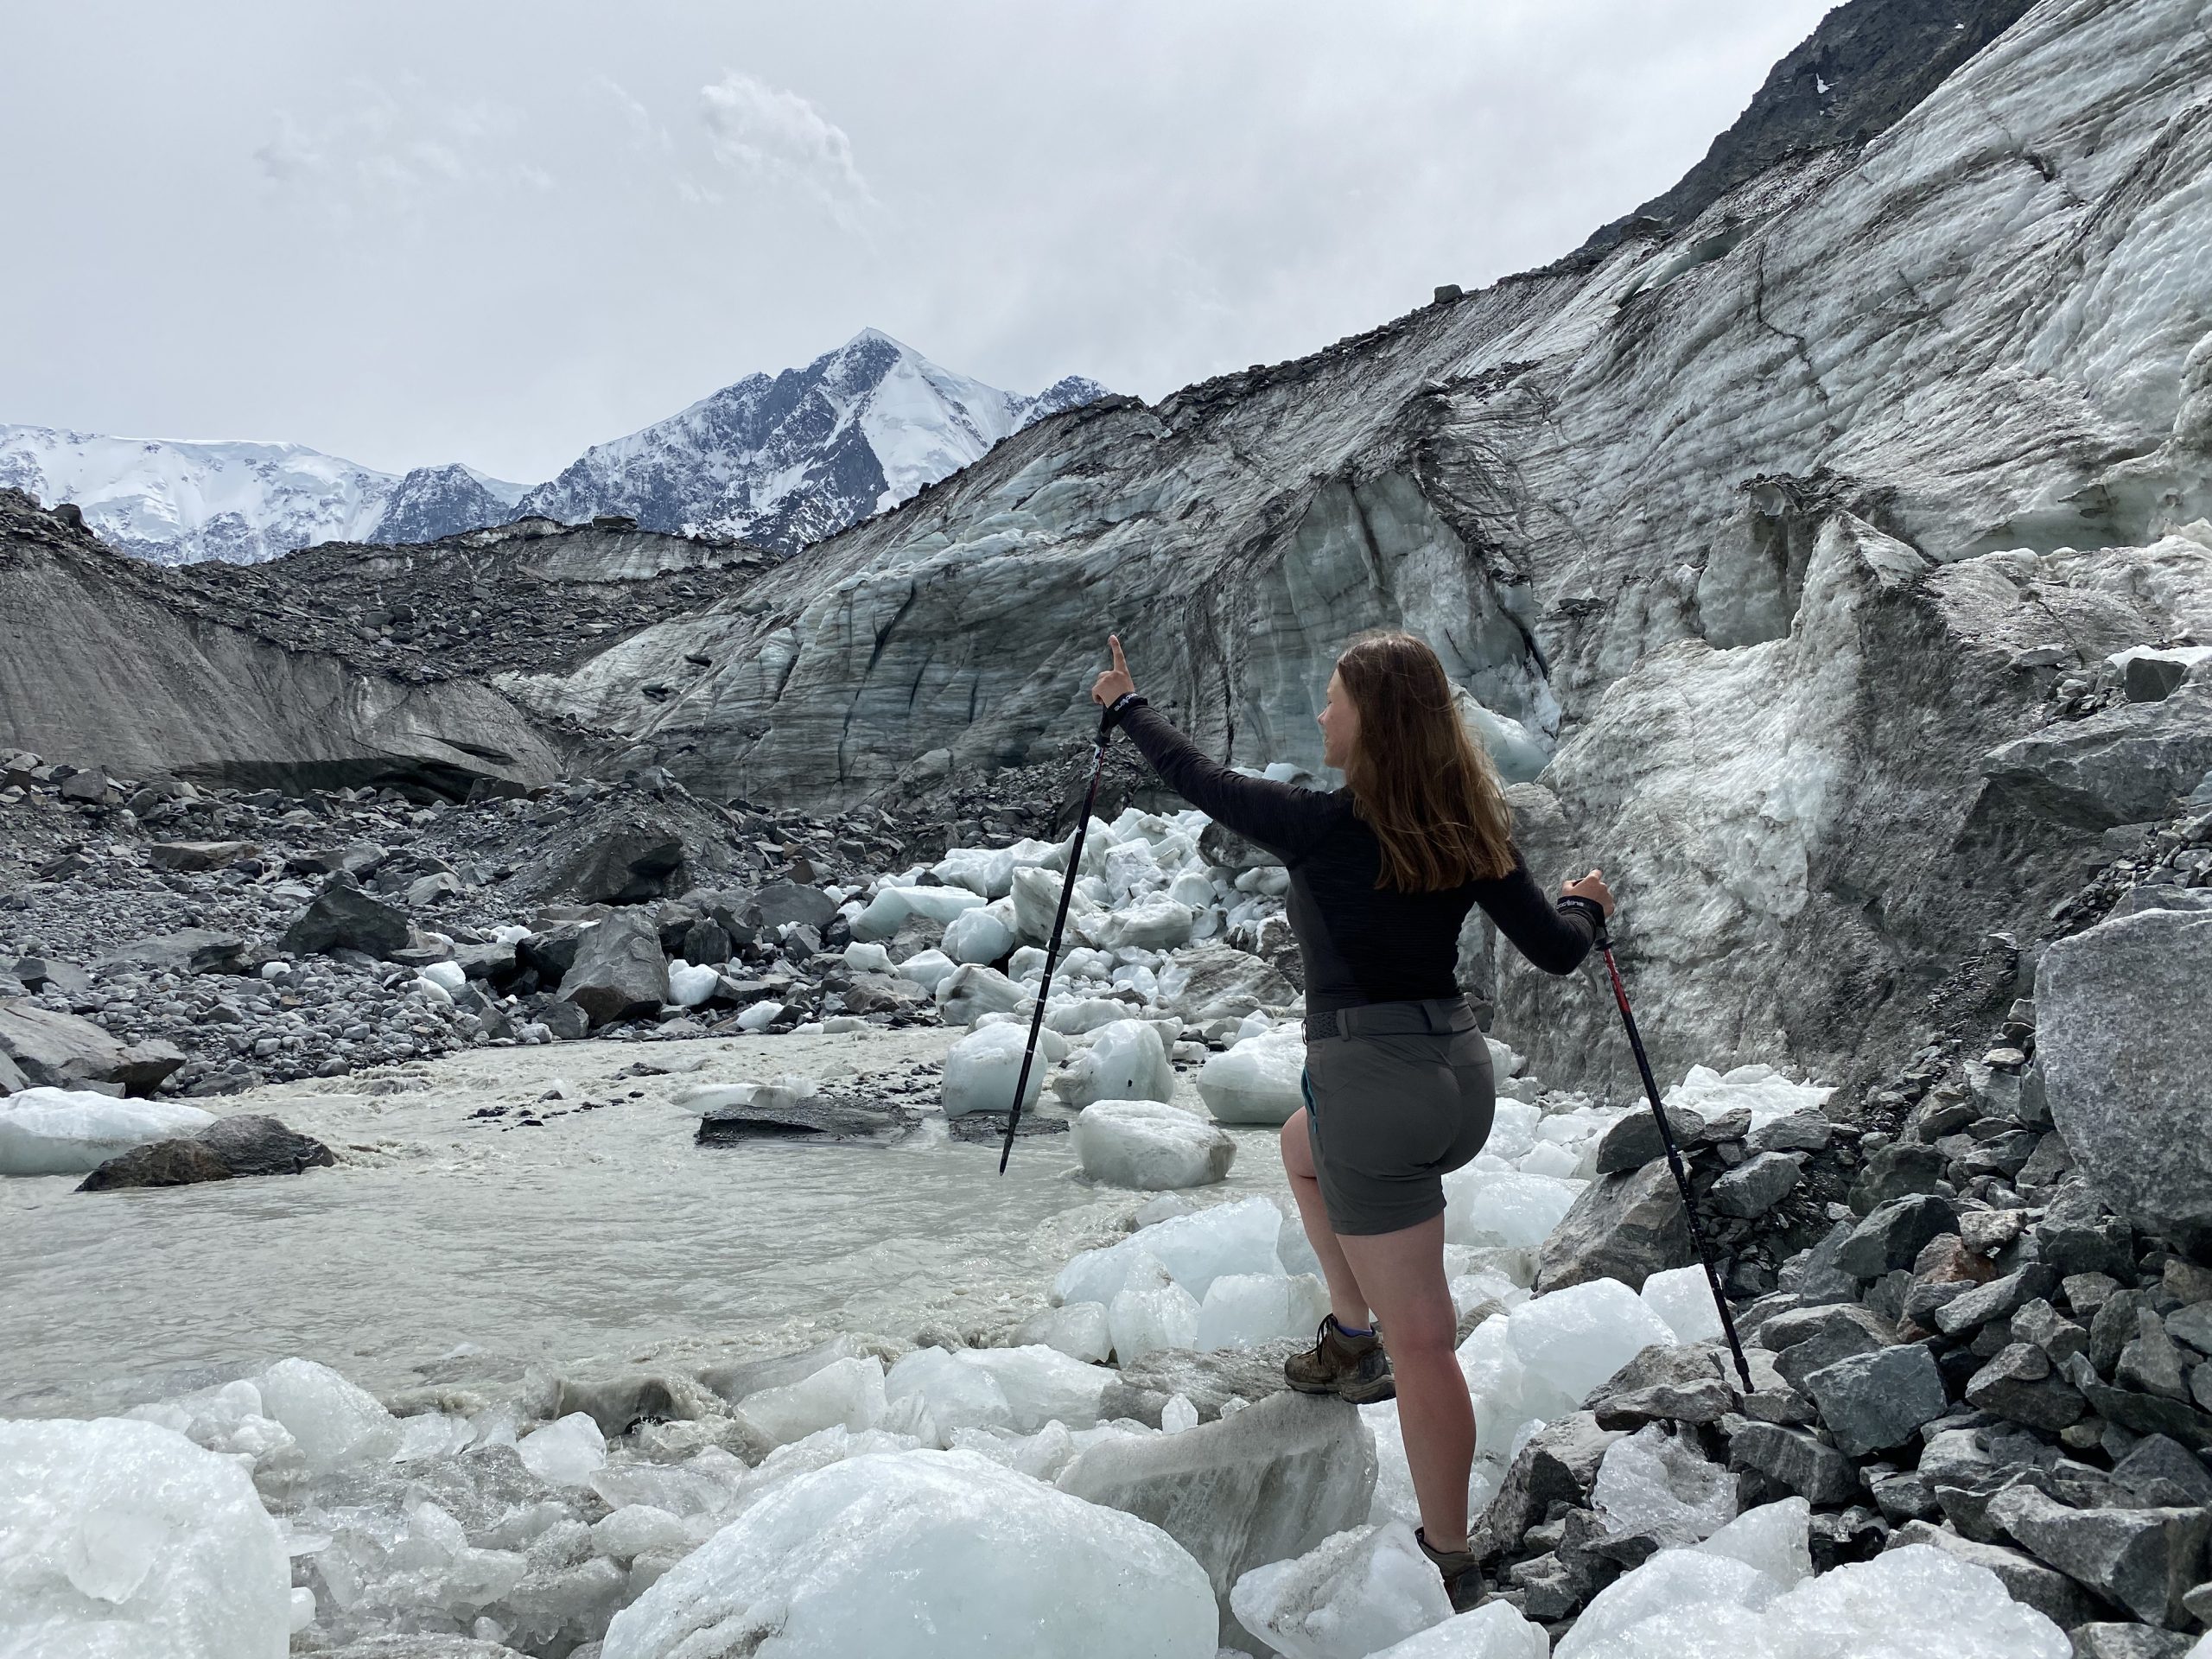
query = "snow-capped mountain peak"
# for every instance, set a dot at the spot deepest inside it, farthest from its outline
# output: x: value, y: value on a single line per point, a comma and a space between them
x: 785, y: 460
x: 781, y: 460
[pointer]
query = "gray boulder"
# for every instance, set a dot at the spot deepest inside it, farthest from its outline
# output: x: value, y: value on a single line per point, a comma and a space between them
x: 1754, y: 1185
x: 1633, y: 1142
x: 1627, y: 1226
x: 1264, y: 1484
x: 49, y: 1050
x: 189, y: 951
x: 625, y: 862
x: 2126, y: 1051
x: 1796, y: 1459
x: 1217, y: 981
x: 1690, y: 1383
x: 1873, y: 1400
x: 342, y: 917
x: 1142, y: 1389
x: 619, y: 972
x: 2144, y: 1559
x: 199, y: 854
x: 253, y: 1143
x: 1893, y: 1234
x: 248, y: 1144
x: 2020, y: 1383
x: 782, y: 902
x: 2128, y: 764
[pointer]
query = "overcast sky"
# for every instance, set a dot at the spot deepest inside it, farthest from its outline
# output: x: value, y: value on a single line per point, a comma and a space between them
x: 406, y: 231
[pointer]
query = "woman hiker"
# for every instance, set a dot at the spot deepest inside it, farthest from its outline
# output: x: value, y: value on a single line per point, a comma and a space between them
x: 1398, y: 1087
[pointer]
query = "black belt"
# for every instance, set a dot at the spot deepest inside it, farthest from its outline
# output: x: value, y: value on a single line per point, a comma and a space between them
x: 1439, y: 1014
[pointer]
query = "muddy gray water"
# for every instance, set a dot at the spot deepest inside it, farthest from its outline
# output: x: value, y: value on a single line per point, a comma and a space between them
x: 447, y: 1247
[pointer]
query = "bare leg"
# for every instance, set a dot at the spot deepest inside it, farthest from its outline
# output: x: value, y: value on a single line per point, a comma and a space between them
x: 1346, y: 1300
x: 1404, y: 1275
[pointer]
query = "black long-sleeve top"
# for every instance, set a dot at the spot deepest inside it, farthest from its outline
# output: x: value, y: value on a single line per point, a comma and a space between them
x: 1361, y: 942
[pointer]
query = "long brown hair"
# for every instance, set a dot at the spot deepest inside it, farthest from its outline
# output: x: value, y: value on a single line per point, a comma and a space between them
x: 1418, y: 780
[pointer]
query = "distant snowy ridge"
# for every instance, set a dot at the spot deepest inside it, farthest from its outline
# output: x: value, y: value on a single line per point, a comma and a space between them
x: 781, y: 460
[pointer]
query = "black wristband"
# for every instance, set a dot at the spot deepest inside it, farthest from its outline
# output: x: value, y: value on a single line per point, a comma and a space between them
x: 1115, y: 708
x: 1589, y: 907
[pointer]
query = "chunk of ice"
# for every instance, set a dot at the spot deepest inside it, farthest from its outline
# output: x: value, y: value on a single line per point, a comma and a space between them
x: 1042, y: 1385
x: 847, y: 1393
x: 956, y: 1395
x: 926, y: 1555
x: 978, y: 935
x: 1353, y: 1594
x: 1249, y: 1310
x: 689, y: 984
x: 125, y: 1541
x: 1683, y: 1299
x: 1080, y: 1331
x: 1494, y: 1630
x: 1151, y: 1312
x: 1126, y: 1060
x: 927, y: 969
x: 1258, y: 1081
x: 1196, y: 1249
x: 635, y: 1529
x: 1774, y: 1538
x: 1766, y: 1091
x: 1151, y: 1146
x: 75, y: 1131
x: 982, y: 1069
x: 335, y: 1422
x: 1654, y: 1481
x: 1574, y: 1338
x: 1492, y: 1208
x: 566, y: 1452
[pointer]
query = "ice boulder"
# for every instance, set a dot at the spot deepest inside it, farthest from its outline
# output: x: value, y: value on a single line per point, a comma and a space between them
x: 1574, y: 1338
x: 75, y: 1131
x: 1494, y: 1630
x: 847, y: 1393
x: 972, y: 990
x: 978, y: 935
x: 1682, y: 1297
x: 1657, y: 1483
x: 1759, y: 1089
x: 1902, y: 1604
x: 1259, y: 1081
x: 986, y: 871
x: 1150, y: 1144
x: 1258, y: 1485
x: 893, y: 906
x: 1150, y: 1312
x: 926, y: 1555
x: 1042, y: 1385
x: 336, y: 1422
x: 1503, y: 1208
x: 124, y: 1539
x: 1079, y: 1330
x: 689, y: 985
x: 568, y: 1452
x: 954, y: 1396
x: 982, y: 1069
x: 1355, y: 1594
x: 1249, y: 1310
x: 926, y: 969
x: 1126, y: 1061
x: 1195, y: 1248
x: 1157, y: 923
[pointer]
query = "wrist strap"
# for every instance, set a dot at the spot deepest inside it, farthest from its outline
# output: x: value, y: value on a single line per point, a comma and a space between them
x: 1115, y: 710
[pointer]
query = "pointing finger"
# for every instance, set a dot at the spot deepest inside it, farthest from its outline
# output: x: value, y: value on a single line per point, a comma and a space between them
x: 1114, y: 641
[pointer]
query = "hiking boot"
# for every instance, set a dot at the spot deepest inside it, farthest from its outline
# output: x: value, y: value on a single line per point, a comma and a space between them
x: 1462, y: 1580
x: 1352, y: 1368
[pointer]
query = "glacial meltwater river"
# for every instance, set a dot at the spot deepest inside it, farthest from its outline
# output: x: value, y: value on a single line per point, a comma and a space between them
x: 451, y: 1249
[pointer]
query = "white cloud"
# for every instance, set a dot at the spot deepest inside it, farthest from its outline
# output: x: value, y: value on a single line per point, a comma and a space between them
x: 776, y: 134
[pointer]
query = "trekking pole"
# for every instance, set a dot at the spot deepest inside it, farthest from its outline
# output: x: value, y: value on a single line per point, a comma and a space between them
x: 1667, y: 1138
x: 1060, y: 924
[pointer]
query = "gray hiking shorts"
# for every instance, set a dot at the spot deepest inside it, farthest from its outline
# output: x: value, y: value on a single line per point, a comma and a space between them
x: 1400, y: 1097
